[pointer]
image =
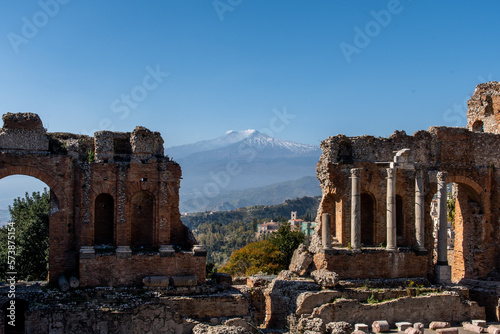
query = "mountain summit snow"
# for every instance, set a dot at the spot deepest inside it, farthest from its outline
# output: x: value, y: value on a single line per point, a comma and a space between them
x: 251, y: 138
x: 241, y: 160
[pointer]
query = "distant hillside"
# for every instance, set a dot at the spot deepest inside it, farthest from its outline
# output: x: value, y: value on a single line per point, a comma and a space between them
x: 217, y: 170
x: 269, y: 195
x: 306, y: 208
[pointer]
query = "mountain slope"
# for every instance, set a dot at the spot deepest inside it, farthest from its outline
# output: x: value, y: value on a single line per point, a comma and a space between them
x: 240, y: 160
x: 269, y: 195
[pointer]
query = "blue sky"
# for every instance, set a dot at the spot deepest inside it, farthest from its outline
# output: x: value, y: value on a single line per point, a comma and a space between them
x: 233, y: 64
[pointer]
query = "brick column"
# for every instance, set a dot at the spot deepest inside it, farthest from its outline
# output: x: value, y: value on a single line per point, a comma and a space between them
x: 355, y: 209
x: 391, y: 209
x: 419, y: 209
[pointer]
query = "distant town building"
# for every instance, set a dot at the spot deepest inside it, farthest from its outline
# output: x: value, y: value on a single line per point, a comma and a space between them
x: 295, y: 225
x: 266, y: 228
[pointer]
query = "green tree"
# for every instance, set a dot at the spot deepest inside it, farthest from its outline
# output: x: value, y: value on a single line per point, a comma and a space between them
x: 260, y: 256
x: 30, y: 226
x: 287, y: 241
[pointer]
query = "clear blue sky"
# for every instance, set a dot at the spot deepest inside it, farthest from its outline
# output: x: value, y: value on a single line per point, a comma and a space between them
x: 232, y: 67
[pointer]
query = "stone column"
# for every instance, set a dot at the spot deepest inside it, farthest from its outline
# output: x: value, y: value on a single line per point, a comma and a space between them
x: 326, y: 231
x: 442, y: 258
x: 419, y: 209
x: 355, y: 209
x: 391, y: 209
x: 442, y: 270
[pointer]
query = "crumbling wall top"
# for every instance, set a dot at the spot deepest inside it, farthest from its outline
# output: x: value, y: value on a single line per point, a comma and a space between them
x: 483, y: 113
x: 23, y: 132
x: 26, y: 121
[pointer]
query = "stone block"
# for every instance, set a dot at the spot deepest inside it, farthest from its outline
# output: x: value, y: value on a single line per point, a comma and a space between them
x: 199, y: 250
x: 301, y: 260
x: 325, y: 278
x: 156, y: 281
x: 87, y: 252
x: 493, y: 330
x: 481, y: 323
x: 123, y: 252
x: 167, y: 251
x: 339, y: 327
x: 447, y: 330
x: 361, y: 327
x: 442, y: 274
x: 239, y: 322
x: 402, y: 326
x: 358, y: 332
x: 380, y: 326
x: 439, y: 324
x: 473, y: 328
x: 420, y: 326
x: 412, y: 330
x: 184, y: 280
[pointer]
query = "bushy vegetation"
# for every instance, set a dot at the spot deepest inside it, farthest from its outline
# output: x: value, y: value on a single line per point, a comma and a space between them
x: 225, y: 232
x: 222, y: 240
x: 29, y: 233
x: 268, y: 256
x: 260, y: 256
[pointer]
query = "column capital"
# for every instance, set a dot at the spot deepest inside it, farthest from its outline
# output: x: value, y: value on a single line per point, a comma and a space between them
x: 391, y: 172
x: 441, y: 176
x: 355, y: 172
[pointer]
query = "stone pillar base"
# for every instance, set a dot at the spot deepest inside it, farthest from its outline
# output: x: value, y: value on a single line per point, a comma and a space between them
x: 199, y: 250
x: 167, y: 250
x: 442, y: 274
x: 123, y: 252
x: 87, y: 252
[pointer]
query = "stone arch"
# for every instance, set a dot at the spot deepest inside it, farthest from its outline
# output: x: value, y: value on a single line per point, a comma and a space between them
x: 471, y: 229
x: 142, y: 220
x: 478, y: 126
x: 40, y: 175
x: 104, y: 222
x: 368, y: 219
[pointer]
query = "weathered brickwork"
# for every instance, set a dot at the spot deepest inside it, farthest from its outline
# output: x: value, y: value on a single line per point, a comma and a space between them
x: 483, y: 112
x: 134, y: 187
x: 110, y: 270
x: 363, y: 264
x: 471, y: 160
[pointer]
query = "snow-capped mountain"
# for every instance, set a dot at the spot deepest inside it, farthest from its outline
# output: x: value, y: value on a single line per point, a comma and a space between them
x: 251, y: 138
x: 239, y: 160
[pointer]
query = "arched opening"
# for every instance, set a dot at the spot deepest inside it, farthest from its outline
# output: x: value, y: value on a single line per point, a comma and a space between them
x: 478, y: 126
x: 467, y: 234
x: 142, y: 220
x: 367, y: 219
x: 26, y: 206
x: 14, y: 316
x: 104, y: 222
x: 400, y: 221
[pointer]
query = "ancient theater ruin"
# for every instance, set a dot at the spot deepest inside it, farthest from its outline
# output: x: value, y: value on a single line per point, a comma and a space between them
x: 374, y: 220
x: 114, y: 198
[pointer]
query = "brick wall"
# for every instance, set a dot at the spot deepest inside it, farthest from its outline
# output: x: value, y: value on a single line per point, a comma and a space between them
x: 373, y: 264
x: 109, y: 270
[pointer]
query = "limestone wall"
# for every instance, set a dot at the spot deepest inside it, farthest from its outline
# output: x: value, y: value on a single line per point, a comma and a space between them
x: 411, y: 309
